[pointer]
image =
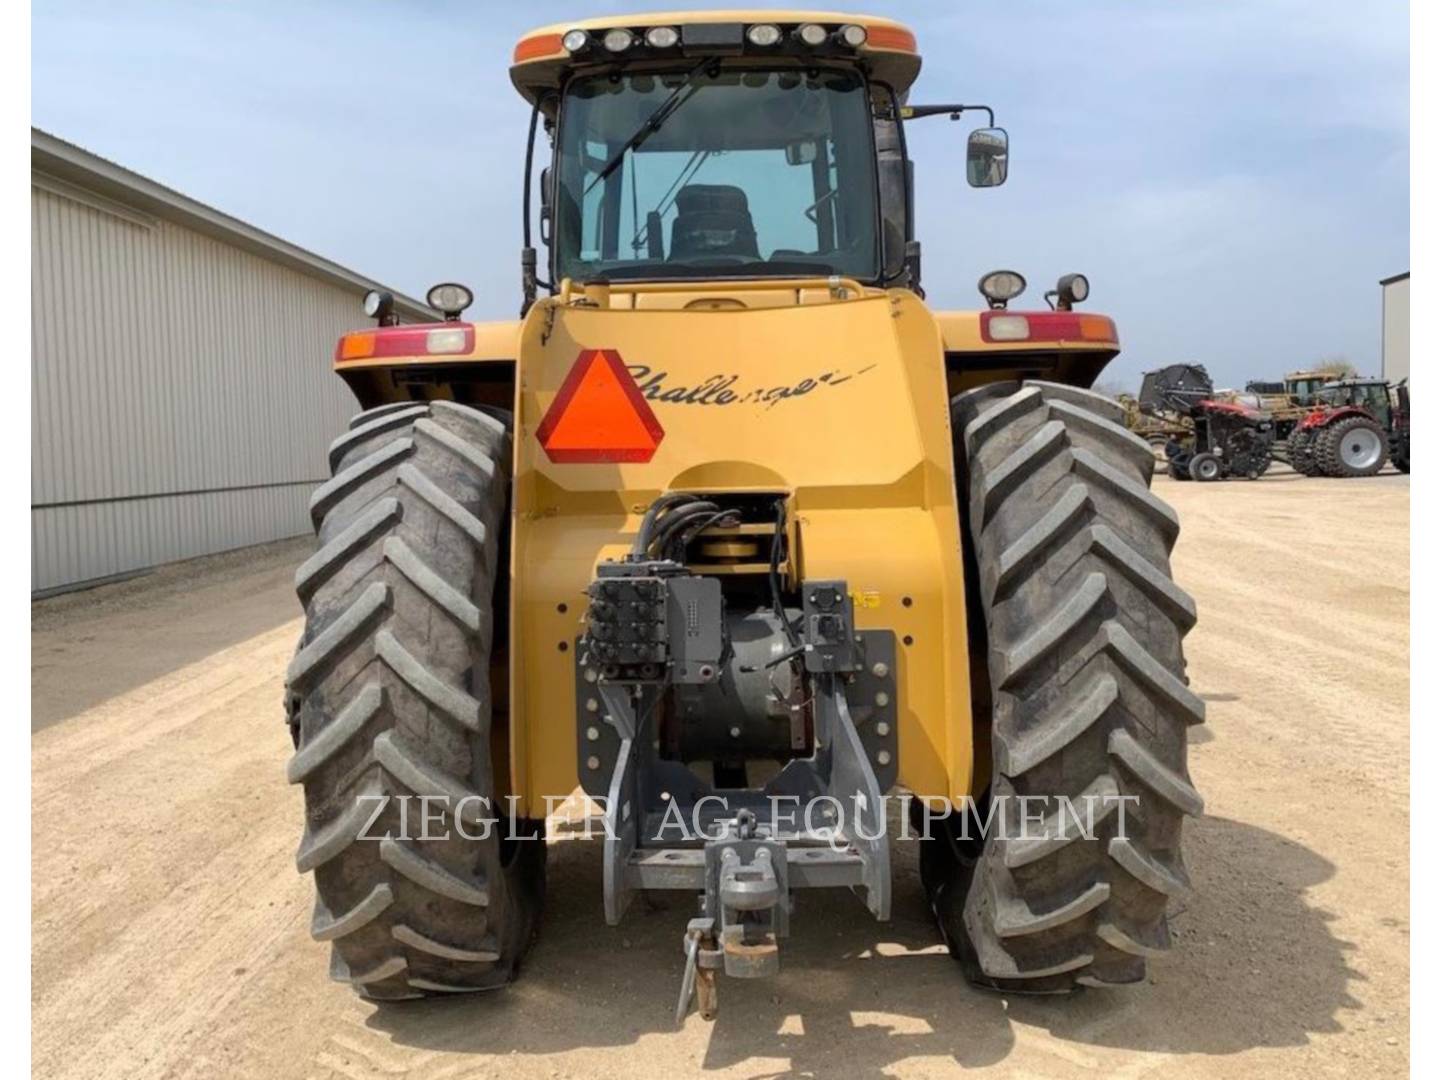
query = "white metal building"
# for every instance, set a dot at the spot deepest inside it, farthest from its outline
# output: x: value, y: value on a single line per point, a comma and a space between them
x: 1395, y: 327
x: 182, y: 395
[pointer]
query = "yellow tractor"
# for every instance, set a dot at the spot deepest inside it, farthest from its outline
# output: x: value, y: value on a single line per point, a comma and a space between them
x: 736, y: 535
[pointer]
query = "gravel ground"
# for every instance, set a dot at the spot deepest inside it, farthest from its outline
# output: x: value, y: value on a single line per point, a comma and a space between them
x: 169, y: 926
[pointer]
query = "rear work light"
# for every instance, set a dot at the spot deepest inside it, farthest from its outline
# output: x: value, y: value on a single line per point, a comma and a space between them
x: 812, y: 34
x: 421, y: 340
x: 1045, y: 326
x: 617, y: 40
x: 763, y: 35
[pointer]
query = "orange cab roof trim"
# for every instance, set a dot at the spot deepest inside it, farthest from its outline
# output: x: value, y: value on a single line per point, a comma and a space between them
x: 546, y: 41
x: 541, y: 61
x: 536, y: 46
x: 891, y: 37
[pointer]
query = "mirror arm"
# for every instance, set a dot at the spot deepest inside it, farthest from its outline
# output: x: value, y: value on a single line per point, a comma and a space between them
x: 916, y: 112
x: 912, y: 266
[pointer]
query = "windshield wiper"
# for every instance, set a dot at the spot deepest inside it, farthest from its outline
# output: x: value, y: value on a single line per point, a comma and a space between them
x: 653, y: 122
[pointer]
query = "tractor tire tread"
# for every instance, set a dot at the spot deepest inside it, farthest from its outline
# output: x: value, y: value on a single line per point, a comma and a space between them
x: 391, y: 703
x: 1330, y: 461
x: 1084, y: 626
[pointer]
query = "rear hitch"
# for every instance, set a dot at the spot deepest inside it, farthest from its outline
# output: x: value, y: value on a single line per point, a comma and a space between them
x: 746, y: 905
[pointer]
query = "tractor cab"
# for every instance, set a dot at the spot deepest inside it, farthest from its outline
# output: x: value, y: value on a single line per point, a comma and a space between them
x: 1302, y: 386
x: 1371, y: 395
x: 695, y: 150
x: 747, y: 160
x: 745, y: 173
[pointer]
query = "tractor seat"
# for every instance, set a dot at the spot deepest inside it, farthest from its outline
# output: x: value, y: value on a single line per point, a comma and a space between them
x: 712, y: 219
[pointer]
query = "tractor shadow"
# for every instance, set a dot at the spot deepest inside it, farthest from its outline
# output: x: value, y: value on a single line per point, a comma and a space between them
x: 1254, y: 965
x: 853, y: 996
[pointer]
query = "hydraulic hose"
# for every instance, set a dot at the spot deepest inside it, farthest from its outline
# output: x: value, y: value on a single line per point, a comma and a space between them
x: 775, y: 599
x: 677, y: 520
x: 727, y: 517
x: 641, y: 545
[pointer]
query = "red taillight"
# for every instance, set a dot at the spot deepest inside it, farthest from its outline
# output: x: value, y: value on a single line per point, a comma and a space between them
x: 599, y: 415
x: 426, y: 339
x: 1045, y: 326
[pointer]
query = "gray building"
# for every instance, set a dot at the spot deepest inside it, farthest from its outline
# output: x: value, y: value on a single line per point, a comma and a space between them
x: 181, y: 388
x: 1395, y: 327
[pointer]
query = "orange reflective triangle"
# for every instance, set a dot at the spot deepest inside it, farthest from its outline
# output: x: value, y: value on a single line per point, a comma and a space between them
x: 599, y: 414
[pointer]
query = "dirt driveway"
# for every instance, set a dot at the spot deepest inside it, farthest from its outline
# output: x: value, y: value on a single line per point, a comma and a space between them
x: 169, y: 925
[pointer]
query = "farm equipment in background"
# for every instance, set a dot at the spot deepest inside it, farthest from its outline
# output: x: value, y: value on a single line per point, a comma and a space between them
x: 1300, y: 387
x: 1158, y: 431
x: 1400, y: 427
x: 1226, y: 438
x: 1355, y: 426
x: 1288, y: 402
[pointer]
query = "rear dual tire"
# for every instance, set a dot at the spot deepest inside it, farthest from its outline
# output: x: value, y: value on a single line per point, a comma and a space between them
x: 1300, y: 449
x: 1068, y: 551
x: 1400, y: 455
x: 1352, y: 447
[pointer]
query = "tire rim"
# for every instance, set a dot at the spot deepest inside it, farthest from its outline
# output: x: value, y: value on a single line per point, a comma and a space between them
x: 1209, y: 470
x: 1360, y: 448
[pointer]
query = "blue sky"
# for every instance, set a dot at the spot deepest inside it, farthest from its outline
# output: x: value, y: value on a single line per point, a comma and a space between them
x: 1233, y: 177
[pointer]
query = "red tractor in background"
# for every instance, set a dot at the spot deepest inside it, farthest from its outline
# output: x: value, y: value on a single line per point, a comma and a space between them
x: 1355, y: 427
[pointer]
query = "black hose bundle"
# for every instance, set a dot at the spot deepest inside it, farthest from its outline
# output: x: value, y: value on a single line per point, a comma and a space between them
x: 673, y: 524
x: 647, y: 523
x: 672, y: 521
x: 723, y: 518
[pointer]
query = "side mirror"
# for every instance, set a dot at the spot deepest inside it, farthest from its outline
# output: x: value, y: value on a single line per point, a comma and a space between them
x: 987, y: 157
x: 800, y: 153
